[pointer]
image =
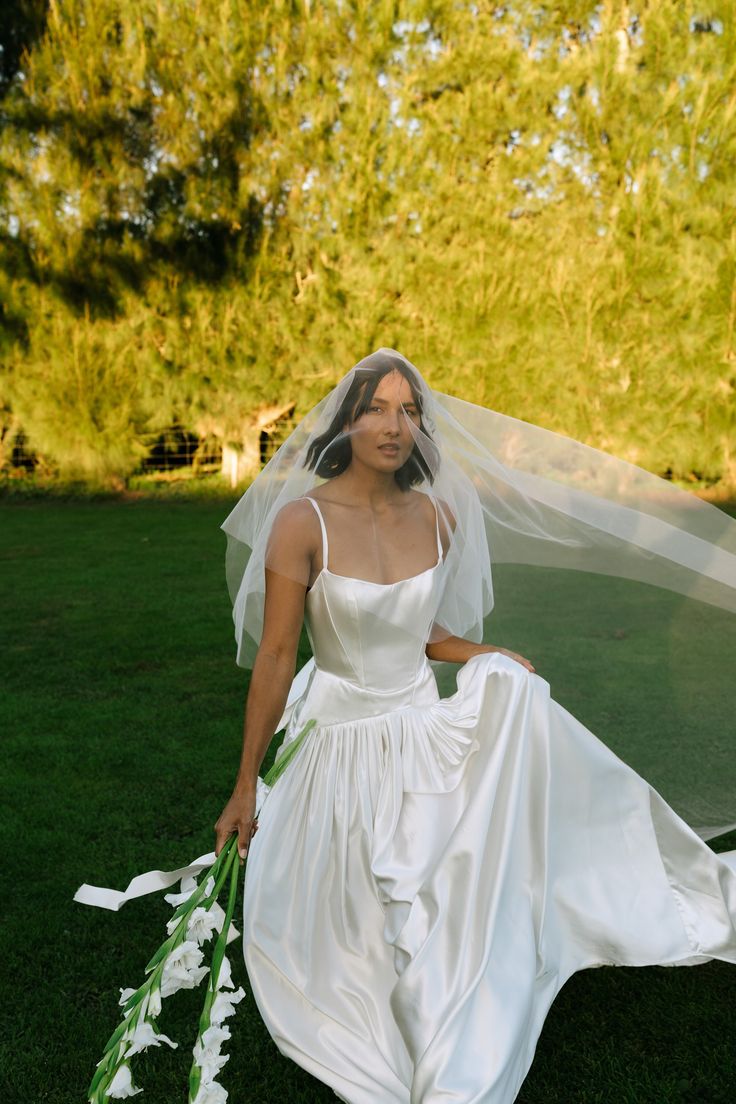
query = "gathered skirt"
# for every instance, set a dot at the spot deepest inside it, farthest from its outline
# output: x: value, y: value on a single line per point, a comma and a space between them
x: 425, y: 879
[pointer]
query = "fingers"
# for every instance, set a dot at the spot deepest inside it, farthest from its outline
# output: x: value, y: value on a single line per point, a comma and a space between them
x: 221, y: 839
x: 245, y: 828
x: 524, y: 662
x: 246, y: 832
x: 223, y: 835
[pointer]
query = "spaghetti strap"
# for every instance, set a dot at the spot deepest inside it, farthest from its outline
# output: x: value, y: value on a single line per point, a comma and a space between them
x: 440, y: 550
x: 322, y: 527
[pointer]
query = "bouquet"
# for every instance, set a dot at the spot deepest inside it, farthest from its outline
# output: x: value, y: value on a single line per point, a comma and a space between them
x: 178, y: 964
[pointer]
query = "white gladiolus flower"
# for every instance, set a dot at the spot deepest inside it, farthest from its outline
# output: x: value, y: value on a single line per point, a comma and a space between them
x: 182, y: 969
x: 224, y: 1005
x: 204, y: 922
x: 122, y: 1084
x: 140, y: 1010
x: 210, y: 1092
x: 206, y: 1051
x: 187, y: 954
x: 150, y: 1005
x: 174, y: 922
x: 188, y: 886
x: 144, y: 1036
x: 201, y: 924
x: 225, y: 977
x: 154, y: 1003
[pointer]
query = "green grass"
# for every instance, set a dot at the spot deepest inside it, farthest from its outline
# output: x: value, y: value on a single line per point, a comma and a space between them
x: 121, y: 717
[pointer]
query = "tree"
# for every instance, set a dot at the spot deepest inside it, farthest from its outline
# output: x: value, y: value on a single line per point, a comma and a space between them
x: 235, y: 203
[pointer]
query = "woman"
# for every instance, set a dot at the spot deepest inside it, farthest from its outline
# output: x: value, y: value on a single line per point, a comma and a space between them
x: 429, y: 871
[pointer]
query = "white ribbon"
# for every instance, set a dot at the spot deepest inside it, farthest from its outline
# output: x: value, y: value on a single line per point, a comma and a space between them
x: 142, y: 884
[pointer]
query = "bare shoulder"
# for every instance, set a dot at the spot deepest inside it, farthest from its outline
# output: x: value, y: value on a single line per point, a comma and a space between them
x: 446, y: 515
x: 296, y: 524
x: 447, y: 518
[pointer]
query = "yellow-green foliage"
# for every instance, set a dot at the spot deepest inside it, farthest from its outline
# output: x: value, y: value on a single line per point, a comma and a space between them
x: 212, y: 207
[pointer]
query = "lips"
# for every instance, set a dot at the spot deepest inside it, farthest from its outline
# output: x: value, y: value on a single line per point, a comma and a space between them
x: 391, y: 449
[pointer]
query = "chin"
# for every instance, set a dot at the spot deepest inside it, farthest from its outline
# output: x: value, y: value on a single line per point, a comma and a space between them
x: 391, y: 463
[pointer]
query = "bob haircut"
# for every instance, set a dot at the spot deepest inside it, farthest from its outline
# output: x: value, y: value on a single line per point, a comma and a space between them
x: 330, y: 453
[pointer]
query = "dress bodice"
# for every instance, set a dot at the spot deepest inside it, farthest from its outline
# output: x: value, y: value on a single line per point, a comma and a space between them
x: 373, y: 635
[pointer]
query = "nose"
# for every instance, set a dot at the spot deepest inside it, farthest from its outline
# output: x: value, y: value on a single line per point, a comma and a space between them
x: 395, y: 422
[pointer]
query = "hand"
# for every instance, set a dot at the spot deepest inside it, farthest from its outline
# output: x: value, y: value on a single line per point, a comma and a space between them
x: 237, y: 816
x: 519, y: 659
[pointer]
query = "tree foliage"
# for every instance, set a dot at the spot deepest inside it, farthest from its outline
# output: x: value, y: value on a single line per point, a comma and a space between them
x: 211, y: 210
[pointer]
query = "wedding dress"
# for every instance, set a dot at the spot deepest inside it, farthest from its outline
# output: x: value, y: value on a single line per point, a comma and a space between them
x: 429, y: 872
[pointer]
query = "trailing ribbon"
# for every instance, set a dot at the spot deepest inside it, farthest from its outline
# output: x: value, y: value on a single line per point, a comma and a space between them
x: 114, y: 899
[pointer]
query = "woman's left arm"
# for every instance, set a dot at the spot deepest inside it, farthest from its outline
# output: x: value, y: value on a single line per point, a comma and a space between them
x: 454, y: 649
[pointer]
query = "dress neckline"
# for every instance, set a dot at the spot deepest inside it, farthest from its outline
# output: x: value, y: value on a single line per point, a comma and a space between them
x: 369, y: 582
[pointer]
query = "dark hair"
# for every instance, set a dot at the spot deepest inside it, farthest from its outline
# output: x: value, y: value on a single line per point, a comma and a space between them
x: 330, y: 453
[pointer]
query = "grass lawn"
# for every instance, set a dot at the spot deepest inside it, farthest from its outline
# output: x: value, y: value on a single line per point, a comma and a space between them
x: 121, y: 717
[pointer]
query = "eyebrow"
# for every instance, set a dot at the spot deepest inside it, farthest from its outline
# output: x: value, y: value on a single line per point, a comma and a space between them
x: 377, y: 398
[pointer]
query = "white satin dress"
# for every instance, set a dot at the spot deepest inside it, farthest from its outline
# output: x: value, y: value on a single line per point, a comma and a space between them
x: 429, y: 872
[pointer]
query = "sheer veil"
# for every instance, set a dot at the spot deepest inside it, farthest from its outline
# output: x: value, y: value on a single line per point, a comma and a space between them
x: 620, y: 587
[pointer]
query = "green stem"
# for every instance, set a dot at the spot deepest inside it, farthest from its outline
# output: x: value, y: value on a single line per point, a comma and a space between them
x: 99, y: 1074
x: 221, y: 945
x: 218, y: 955
x: 107, y: 1067
x: 106, y: 1073
x: 188, y: 905
x: 229, y: 849
x: 283, y: 761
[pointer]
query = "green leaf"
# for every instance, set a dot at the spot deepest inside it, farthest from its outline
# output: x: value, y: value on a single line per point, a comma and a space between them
x: 283, y: 761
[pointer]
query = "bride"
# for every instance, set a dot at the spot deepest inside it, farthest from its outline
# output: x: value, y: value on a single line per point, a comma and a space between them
x: 428, y: 871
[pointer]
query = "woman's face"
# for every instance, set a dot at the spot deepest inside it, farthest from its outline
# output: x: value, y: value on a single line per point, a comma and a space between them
x: 382, y: 438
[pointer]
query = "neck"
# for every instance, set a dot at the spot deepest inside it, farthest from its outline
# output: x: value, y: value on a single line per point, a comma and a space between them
x: 369, y: 487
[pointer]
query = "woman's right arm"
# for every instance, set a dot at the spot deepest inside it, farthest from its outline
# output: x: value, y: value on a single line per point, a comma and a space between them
x: 289, y: 559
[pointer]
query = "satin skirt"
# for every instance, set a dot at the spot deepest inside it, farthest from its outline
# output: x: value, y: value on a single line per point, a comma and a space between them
x: 429, y: 872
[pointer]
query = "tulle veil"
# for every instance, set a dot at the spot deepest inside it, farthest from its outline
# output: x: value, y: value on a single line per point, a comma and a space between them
x: 620, y: 586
